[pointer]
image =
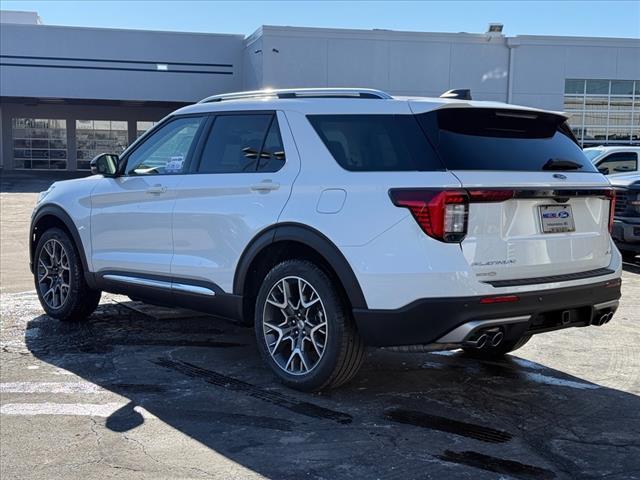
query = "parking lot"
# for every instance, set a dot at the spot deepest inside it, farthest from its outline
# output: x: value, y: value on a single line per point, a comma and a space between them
x: 145, y: 392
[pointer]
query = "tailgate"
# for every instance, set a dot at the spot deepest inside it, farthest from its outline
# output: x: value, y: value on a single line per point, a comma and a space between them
x: 551, y: 226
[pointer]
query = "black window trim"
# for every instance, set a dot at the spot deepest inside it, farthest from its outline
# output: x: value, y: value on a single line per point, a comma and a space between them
x: 204, y: 136
x: 124, y: 160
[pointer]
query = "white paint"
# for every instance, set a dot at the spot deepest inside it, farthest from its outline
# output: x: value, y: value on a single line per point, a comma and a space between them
x: 75, y: 409
x: 558, y: 382
x: 49, y: 387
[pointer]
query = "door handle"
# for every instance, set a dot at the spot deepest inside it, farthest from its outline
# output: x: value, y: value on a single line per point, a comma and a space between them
x: 157, y: 189
x: 265, y: 186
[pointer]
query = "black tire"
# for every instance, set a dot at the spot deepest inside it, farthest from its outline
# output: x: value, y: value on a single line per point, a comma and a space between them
x: 628, y: 256
x: 489, y: 352
x: 343, y: 350
x: 80, y: 301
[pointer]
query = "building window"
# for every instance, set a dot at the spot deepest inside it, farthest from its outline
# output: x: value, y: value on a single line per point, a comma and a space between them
x: 39, y: 143
x: 603, y: 111
x: 142, y: 127
x: 99, y: 136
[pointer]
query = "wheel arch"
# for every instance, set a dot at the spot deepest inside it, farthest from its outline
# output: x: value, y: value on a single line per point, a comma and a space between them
x: 49, y: 216
x: 292, y: 240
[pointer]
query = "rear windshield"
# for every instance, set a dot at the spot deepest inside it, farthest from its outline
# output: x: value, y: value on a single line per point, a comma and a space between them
x: 453, y: 139
x: 376, y: 142
x: 488, y: 139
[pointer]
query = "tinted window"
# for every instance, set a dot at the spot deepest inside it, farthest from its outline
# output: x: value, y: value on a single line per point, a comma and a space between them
x: 272, y: 154
x: 487, y: 139
x: 619, y: 162
x: 234, y: 143
x: 167, y: 150
x: 376, y: 142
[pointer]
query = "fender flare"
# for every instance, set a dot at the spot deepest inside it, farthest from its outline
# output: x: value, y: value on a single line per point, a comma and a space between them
x: 60, y: 214
x: 312, y: 239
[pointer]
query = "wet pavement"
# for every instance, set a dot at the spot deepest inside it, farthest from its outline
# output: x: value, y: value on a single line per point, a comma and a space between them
x: 143, y: 392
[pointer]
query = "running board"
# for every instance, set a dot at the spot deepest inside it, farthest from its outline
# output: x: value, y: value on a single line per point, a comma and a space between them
x: 162, y: 284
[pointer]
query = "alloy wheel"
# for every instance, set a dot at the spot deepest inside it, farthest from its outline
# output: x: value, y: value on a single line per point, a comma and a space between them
x: 294, y: 324
x: 54, y: 274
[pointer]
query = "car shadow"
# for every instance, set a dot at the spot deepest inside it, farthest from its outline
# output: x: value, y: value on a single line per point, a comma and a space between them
x: 404, y: 416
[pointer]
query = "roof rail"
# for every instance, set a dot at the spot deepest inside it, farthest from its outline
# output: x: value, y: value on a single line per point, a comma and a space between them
x: 301, y: 93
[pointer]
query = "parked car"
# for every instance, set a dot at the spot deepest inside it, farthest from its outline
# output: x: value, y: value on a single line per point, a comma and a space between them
x: 332, y: 219
x: 626, y: 223
x: 614, y: 159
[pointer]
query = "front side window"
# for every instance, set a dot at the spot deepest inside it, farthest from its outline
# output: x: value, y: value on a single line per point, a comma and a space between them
x: 376, y: 143
x: 167, y: 150
x: 242, y: 144
x: 619, y: 162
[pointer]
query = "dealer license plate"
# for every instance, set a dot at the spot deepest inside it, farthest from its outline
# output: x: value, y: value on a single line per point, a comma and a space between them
x: 556, y: 218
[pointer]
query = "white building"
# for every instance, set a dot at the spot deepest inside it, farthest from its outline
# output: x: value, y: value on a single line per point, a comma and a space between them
x: 68, y: 93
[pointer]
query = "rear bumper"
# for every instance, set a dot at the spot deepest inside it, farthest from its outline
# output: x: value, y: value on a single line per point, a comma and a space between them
x: 626, y: 234
x: 427, y: 320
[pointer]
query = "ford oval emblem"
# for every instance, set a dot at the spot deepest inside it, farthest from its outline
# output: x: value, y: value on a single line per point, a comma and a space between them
x: 559, y: 176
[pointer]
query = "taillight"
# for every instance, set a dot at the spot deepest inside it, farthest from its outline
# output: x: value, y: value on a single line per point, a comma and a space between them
x: 442, y: 214
x: 611, y: 195
x: 491, y: 195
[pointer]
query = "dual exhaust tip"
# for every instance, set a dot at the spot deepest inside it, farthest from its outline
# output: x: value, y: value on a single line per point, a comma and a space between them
x: 489, y: 338
x: 600, y: 320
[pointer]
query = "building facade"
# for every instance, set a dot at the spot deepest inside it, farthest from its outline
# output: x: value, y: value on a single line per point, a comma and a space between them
x: 68, y: 93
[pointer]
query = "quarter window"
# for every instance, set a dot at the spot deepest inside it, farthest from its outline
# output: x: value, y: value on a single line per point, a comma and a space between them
x: 236, y: 143
x: 167, y: 150
x: 376, y: 143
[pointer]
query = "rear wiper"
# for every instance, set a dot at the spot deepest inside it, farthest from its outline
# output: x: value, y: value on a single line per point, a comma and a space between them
x: 561, y: 164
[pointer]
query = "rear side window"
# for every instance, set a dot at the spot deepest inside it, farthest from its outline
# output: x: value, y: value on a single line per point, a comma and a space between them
x: 234, y: 143
x: 376, y: 143
x: 494, y: 139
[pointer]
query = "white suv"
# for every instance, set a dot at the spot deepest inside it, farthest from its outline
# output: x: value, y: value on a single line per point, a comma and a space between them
x: 332, y: 219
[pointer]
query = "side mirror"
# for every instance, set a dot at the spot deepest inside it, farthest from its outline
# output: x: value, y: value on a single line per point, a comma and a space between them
x: 105, y: 164
x: 604, y: 170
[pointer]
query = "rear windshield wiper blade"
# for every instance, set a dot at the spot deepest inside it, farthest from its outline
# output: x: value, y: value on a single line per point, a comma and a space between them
x: 561, y: 164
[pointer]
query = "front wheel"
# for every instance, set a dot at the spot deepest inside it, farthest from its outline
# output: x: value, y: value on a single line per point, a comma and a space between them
x: 59, y: 278
x: 304, y: 328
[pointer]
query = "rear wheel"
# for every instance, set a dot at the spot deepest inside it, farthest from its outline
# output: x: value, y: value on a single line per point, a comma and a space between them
x: 304, y: 328
x: 59, y: 278
x: 489, y: 352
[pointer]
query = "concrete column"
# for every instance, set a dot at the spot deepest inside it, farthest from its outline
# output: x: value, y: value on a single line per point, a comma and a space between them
x: 7, y: 142
x: 72, y: 154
